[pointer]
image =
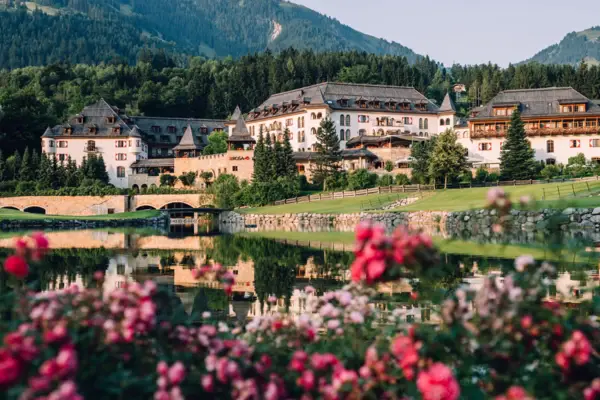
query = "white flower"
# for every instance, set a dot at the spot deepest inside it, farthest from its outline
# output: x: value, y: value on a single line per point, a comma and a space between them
x: 523, y: 261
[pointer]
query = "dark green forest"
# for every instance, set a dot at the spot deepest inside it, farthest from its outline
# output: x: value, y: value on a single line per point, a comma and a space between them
x: 93, y: 31
x: 573, y: 48
x: 33, y: 98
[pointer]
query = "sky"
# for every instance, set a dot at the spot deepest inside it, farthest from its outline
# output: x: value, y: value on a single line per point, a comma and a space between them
x: 466, y: 31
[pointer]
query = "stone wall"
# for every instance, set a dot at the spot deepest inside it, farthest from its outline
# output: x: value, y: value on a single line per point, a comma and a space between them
x: 467, y: 224
x: 158, y: 201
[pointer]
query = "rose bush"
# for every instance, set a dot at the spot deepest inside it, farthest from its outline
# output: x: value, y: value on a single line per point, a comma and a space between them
x: 503, y: 342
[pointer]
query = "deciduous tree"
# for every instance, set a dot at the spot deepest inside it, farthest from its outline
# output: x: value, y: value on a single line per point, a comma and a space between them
x: 448, y: 158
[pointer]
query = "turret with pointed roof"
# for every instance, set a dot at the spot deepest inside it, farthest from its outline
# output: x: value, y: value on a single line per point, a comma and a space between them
x: 189, y: 146
x: 447, y: 105
x: 240, y: 136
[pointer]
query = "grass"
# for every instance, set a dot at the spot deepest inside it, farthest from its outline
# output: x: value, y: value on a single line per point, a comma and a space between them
x: 450, y: 246
x: 475, y: 198
x: 337, y: 206
x: 13, y: 215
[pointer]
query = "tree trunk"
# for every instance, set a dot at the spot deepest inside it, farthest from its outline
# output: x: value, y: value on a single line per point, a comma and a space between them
x: 446, y: 181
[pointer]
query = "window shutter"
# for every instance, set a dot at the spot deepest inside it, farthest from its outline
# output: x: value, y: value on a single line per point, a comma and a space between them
x: 490, y: 147
x: 117, y: 157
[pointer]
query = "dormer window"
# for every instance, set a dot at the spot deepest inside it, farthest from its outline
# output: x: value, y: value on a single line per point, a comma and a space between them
x: 111, y: 119
x: 80, y: 119
x: 92, y: 130
x: 155, y: 129
x: 171, y: 129
x: 573, y: 108
x: 68, y: 130
x: 116, y: 130
x: 204, y: 130
x: 344, y: 102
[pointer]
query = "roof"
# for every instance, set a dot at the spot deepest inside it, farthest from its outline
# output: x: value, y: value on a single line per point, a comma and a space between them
x: 189, y: 141
x: 331, y: 93
x: 48, y: 132
x: 370, y: 139
x: 538, y: 102
x: 154, y: 163
x: 179, y: 125
x: 447, y: 104
x: 346, y: 154
x: 135, y: 132
x: 236, y: 114
x: 239, y: 132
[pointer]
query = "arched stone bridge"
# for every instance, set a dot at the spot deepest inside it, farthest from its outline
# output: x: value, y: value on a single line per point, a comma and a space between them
x: 99, y: 205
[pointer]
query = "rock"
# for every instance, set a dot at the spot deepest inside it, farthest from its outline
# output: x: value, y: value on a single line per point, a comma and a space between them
x: 596, y: 211
x: 568, y: 211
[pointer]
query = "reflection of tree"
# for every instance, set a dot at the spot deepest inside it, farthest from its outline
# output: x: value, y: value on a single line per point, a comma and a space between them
x: 207, y: 299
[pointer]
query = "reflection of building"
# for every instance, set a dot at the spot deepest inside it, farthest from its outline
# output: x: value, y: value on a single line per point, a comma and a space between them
x: 559, y: 122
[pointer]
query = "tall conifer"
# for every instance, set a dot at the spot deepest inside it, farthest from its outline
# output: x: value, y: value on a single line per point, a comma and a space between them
x: 26, y: 172
x: 269, y: 155
x: 289, y: 163
x: 260, y: 161
x: 517, y: 158
x: 329, y: 156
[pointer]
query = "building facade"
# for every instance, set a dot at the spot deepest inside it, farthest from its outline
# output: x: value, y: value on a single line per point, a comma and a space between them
x: 358, y: 110
x: 104, y: 130
x: 559, y: 123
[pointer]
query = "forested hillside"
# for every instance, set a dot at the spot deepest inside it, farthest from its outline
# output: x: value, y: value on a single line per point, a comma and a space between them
x: 33, y: 98
x: 93, y: 31
x: 574, y: 48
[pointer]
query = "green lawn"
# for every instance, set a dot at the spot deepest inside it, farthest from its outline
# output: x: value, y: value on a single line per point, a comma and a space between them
x: 450, y: 246
x: 12, y: 215
x: 337, y: 206
x: 466, y: 199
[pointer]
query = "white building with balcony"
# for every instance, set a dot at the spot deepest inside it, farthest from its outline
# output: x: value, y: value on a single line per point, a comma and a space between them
x: 356, y: 109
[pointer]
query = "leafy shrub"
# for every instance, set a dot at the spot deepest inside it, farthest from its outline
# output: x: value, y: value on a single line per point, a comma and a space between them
x: 361, y: 179
x: 550, y: 171
x: 482, y: 175
x: 493, y: 177
x: 168, y: 180
x: 389, y: 166
x: 386, y: 180
x: 336, y: 182
x: 187, y: 178
x: 402, y: 179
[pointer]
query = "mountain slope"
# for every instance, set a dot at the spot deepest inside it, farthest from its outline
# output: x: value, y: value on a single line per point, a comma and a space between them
x: 43, y: 31
x: 576, y: 46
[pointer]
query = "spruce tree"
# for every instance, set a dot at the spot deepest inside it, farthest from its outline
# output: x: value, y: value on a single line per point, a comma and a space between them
x: 2, y: 167
x: 35, y: 163
x: 260, y: 161
x: 45, y: 172
x: 102, y: 174
x: 72, y: 174
x: 16, y: 165
x: 329, y: 156
x: 289, y: 164
x: 269, y: 155
x: 277, y: 166
x: 26, y: 172
x: 517, y: 158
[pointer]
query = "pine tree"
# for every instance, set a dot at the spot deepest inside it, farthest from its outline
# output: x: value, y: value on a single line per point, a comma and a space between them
x: 72, y: 174
x: 2, y: 167
x: 16, y: 165
x: 102, y: 174
x: 448, y: 158
x: 329, y: 156
x: 45, y: 172
x: 260, y: 161
x: 26, y: 172
x: 289, y: 164
x: 269, y: 155
x: 517, y: 158
x: 277, y: 166
x: 35, y: 163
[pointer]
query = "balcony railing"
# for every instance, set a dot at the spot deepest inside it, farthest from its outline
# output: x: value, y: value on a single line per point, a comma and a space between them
x: 538, y: 132
x: 91, y: 149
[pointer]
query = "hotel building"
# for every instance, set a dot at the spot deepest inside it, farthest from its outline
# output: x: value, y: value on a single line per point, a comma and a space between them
x: 559, y: 123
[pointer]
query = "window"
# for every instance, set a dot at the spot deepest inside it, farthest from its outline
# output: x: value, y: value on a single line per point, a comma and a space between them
x: 299, y: 122
x: 120, y: 143
x: 342, y: 134
x: 550, y: 146
x: 165, y: 139
x: 130, y: 143
x: 120, y: 156
x: 155, y: 129
x: 289, y: 122
x: 313, y: 131
x: 594, y: 142
x: 574, y: 143
x: 171, y: 129
x: 137, y: 143
x: 363, y: 118
x: 448, y: 121
x: 590, y: 124
x: 347, y: 134
x: 420, y: 123
x: 426, y: 124
x: 91, y: 145
x: 550, y: 161
x: 500, y: 111
x: 111, y: 119
x: 313, y: 116
x: 442, y: 122
x: 319, y: 116
x: 485, y: 146
x: 62, y: 157
x: 342, y: 120
x: 50, y: 143
x: 465, y: 135
x: 204, y: 130
x: 234, y: 168
x: 407, y: 121
x: 120, y: 172
x: 347, y: 120
x: 362, y: 132
x: 62, y: 144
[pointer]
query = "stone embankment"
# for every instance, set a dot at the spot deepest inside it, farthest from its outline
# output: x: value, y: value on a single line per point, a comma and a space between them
x: 159, y: 222
x: 473, y: 223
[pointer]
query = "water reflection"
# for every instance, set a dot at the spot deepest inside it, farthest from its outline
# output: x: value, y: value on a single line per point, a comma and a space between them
x: 263, y: 267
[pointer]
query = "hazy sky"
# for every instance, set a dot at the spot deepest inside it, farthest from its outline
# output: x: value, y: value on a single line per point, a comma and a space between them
x: 466, y: 31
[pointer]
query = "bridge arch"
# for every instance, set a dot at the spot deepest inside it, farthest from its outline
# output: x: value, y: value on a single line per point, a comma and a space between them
x: 10, y: 208
x: 145, y: 208
x: 35, y: 210
x: 179, y: 205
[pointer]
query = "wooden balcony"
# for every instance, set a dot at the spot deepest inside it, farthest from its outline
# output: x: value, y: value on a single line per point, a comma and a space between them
x: 480, y: 134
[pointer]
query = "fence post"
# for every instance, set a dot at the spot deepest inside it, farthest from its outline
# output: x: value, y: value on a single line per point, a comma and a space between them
x: 588, y: 186
x: 543, y: 194
x: 403, y: 189
x: 531, y: 181
x: 573, y: 187
x: 379, y: 189
x: 558, y: 188
x: 319, y: 196
x: 515, y: 182
x: 296, y: 199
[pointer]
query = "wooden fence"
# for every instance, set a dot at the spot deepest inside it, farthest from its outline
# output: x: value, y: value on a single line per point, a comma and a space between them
x: 425, y: 188
x: 356, y: 193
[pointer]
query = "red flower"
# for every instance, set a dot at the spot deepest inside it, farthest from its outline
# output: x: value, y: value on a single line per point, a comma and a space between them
x: 10, y: 369
x: 17, y: 266
x: 438, y: 383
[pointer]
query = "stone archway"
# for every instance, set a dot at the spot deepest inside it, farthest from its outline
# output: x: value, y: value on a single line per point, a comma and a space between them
x: 179, y: 205
x: 145, y: 208
x: 135, y: 188
x: 35, y: 210
x: 10, y: 208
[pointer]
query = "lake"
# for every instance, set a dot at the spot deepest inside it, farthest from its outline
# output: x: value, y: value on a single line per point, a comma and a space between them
x: 280, y: 264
